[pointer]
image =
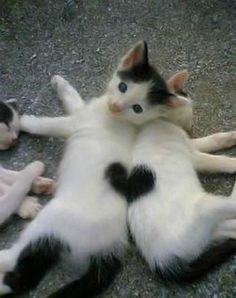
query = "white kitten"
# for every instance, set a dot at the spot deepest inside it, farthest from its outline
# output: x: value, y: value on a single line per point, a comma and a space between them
x: 175, y: 223
x: 86, y: 221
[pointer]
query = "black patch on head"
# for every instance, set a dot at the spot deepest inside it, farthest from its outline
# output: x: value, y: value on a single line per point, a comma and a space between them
x: 140, y: 182
x: 34, y: 261
x: 6, y: 114
x: 181, y: 272
x: 100, y: 275
x: 137, y: 109
x: 143, y: 72
x: 116, y: 174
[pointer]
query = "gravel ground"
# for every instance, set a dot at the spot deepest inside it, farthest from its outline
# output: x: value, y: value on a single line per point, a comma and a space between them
x: 83, y: 42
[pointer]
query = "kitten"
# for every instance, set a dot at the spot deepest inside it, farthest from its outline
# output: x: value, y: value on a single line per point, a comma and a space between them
x: 85, y: 223
x: 180, y: 230
x: 14, y: 186
x: 9, y: 125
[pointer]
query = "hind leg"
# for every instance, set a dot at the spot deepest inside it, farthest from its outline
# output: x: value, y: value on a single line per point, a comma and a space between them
x: 14, y: 195
x: 70, y: 98
x: 24, y: 265
x: 205, y: 162
x: 40, y: 185
x: 217, y: 141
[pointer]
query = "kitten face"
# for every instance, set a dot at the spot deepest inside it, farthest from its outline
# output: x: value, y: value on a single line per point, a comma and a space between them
x: 137, y: 93
x: 9, y: 126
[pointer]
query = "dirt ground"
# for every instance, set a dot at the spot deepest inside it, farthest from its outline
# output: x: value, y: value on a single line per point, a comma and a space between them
x: 83, y: 41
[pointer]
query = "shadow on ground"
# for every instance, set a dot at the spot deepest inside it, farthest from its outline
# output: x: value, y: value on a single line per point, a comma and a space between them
x: 83, y: 41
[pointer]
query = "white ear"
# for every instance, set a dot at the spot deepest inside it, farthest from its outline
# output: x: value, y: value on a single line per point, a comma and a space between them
x: 137, y: 55
x: 178, y: 80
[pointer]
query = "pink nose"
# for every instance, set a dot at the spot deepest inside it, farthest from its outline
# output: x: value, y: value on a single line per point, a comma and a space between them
x: 11, y: 142
x: 115, y: 108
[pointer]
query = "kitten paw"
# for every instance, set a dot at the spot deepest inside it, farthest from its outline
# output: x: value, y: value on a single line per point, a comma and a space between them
x: 29, y: 208
x: 44, y: 186
x: 35, y: 168
x: 57, y: 81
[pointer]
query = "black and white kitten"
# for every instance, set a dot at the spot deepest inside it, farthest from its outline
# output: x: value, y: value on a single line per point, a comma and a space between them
x: 14, y: 186
x: 9, y: 125
x: 86, y: 220
x: 180, y: 230
x: 85, y: 223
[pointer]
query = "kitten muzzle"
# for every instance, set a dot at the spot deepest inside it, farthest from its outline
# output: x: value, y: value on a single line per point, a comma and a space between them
x: 115, y: 108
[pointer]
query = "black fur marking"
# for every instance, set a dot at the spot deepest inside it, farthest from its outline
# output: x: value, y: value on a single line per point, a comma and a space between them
x: 143, y: 72
x: 182, y: 273
x: 116, y: 174
x: 140, y: 182
x: 6, y: 114
x: 99, y: 277
x: 33, y: 263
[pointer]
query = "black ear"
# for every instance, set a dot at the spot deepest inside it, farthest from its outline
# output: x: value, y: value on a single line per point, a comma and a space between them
x: 12, y: 103
x: 138, y: 55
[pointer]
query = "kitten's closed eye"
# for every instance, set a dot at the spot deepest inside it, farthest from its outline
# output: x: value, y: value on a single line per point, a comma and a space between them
x: 122, y: 87
x: 137, y: 109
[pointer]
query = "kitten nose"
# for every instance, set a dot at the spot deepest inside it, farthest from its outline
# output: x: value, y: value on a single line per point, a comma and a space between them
x: 115, y: 108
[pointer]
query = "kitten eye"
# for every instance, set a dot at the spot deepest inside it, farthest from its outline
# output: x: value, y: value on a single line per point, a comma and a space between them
x: 122, y: 87
x: 137, y: 109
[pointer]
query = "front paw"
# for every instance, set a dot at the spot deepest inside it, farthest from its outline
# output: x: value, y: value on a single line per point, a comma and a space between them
x: 29, y: 208
x: 57, y: 82
x: 27, y: 122
x: 44, y: 186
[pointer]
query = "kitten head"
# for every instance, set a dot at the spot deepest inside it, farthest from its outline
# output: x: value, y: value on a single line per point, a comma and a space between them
x: 9, y: 125
x: 137, y: 93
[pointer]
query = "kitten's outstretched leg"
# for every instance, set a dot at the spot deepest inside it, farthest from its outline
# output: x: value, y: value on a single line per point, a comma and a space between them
x: 11, y: 200
x: 24, y: 265
x: 46, y: 126
x: 204, y: 162
x: 215, y: 142
x: 70, y: 98
x: 40, y: 185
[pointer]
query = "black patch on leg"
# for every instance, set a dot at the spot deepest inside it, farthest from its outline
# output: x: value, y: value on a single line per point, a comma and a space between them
x: 116, y: 174
x: 33, y: 263
x: 100, y: 275
x: 180, y: 272
x: 140, y: 182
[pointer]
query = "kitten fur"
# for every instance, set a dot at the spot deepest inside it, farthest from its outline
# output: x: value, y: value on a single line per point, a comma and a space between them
x: 9, y: 125
x: 14, y: 187
x: 180, y: 230
x: 86, y: 220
